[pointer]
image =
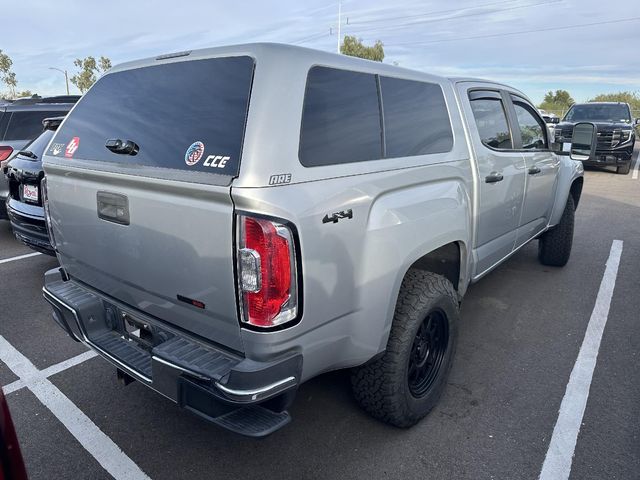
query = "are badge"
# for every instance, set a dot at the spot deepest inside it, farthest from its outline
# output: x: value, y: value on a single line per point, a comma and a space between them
x: 194, y: 153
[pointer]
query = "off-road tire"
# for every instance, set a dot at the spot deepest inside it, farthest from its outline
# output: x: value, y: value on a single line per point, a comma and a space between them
x: 554, y: 246
x: 382, y: 387
x: 624, y: 169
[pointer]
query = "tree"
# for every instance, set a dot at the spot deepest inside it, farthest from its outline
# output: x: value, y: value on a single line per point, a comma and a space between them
x: 89, y: 71
x: 26, y: 93
x: 6, y: 75
x: 558, y: 102
x: 632, y: 98
x: 354, y: 47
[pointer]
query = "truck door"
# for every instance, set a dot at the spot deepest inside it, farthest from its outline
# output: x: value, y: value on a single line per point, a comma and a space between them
x: 500, y: 175
x: 531, y: 138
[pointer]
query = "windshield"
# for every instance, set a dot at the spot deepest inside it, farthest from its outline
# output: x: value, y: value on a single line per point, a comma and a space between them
x: 594, y: 112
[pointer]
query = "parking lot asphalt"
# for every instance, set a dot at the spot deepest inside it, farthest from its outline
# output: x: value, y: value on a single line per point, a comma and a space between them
x: 521, y: 330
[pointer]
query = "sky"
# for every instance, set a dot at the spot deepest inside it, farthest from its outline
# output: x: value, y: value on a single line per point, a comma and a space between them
x: 533, y: 45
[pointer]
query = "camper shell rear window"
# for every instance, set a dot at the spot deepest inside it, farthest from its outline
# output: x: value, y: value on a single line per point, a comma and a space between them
x: 188, y: 115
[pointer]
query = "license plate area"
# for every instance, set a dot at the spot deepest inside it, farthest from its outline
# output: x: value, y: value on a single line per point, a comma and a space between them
x: 138, y: 331
x: 30, y: 193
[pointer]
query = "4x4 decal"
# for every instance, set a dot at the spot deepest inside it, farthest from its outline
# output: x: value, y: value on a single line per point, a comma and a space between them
x: 335, y: 217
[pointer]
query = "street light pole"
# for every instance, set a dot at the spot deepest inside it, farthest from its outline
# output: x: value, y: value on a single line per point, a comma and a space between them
x: 66, y: 77
x: 339, y: 23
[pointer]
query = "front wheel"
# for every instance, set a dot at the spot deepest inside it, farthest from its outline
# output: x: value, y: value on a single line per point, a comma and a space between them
x: 403, y: 385
x: 624, y: 169
x: 554, y: 246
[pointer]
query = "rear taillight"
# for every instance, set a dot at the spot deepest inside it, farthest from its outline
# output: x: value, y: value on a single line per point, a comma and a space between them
x: 5, y: 152
x: 268, y: 283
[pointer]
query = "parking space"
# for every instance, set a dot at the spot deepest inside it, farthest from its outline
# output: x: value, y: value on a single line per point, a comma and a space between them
x: 521, y: 331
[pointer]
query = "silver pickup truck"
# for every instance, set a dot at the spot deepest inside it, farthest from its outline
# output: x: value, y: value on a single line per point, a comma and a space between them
x: 232, y: 222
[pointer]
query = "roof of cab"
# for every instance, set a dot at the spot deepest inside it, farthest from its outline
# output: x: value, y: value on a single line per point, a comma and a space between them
x: 266, y: 51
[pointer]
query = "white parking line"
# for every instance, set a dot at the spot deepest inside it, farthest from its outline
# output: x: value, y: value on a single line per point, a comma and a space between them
x: 49, y: 371
x: 99, y: 445
x: 636, y: 165
x: 19, y: 257
x: 72, y: 362
x: 557, y: 463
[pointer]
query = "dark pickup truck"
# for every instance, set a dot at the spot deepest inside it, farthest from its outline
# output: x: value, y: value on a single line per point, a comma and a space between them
x: 616, y: 135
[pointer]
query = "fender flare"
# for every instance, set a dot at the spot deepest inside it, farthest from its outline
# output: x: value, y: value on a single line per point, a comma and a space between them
x: 568, y: 173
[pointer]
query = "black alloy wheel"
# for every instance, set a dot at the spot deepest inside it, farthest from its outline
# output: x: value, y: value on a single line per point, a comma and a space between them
x: 427, y: 353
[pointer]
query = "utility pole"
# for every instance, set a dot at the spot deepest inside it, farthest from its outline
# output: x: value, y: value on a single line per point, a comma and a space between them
x: 66, y: 77
x: 339, y: 22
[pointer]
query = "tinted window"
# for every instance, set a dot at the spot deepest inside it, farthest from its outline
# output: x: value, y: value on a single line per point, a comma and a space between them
x: 341, y: 118
x: 416, y: 120
x: 38, y: 145
x: 532, y: 129
x: 182, y: 115
x: 4, y: 121
x: 27, y: 125
x: 492, y: 124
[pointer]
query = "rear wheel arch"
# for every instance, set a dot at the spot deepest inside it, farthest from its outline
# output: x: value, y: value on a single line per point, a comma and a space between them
x: 446, y: 260
x: 450, y: 260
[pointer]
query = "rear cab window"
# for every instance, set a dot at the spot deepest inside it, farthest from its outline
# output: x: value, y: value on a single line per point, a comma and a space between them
x: 351, y: 117
x: 340, y: 119
x: 416, y: 120
x: 187, y: 115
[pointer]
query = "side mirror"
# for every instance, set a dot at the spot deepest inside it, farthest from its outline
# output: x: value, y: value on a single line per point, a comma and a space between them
x: 583, y: 142
x: 637, y: 121
x: 555, y: 119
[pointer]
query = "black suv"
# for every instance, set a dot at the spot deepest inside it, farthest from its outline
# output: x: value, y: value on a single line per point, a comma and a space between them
x: 616, y: 136
x: 24, y: 203
x: 20, y: 123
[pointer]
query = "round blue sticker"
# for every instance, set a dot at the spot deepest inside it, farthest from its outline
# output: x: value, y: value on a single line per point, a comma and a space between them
x: 194, y: 153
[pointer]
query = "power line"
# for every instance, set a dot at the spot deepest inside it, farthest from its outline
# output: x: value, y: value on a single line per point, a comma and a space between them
x: 566, y: 27
x: 432, y: 20
x: 317, y: 36
x: 438, y: 12
x: 309, y: 38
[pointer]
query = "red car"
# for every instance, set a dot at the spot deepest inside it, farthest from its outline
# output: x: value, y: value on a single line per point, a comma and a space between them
x: 11, y: 464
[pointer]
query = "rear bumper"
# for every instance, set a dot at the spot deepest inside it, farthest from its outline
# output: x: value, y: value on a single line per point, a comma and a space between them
x: 27, y: 222
x: 237, y: 393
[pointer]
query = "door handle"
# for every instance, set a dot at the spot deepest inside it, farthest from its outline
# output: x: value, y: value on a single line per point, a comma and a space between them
x: 534, y: 170
x: 493, y: 177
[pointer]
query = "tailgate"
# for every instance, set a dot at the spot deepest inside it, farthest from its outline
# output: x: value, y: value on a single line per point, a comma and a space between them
x: 138, y: 180
x: 178, y: 245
